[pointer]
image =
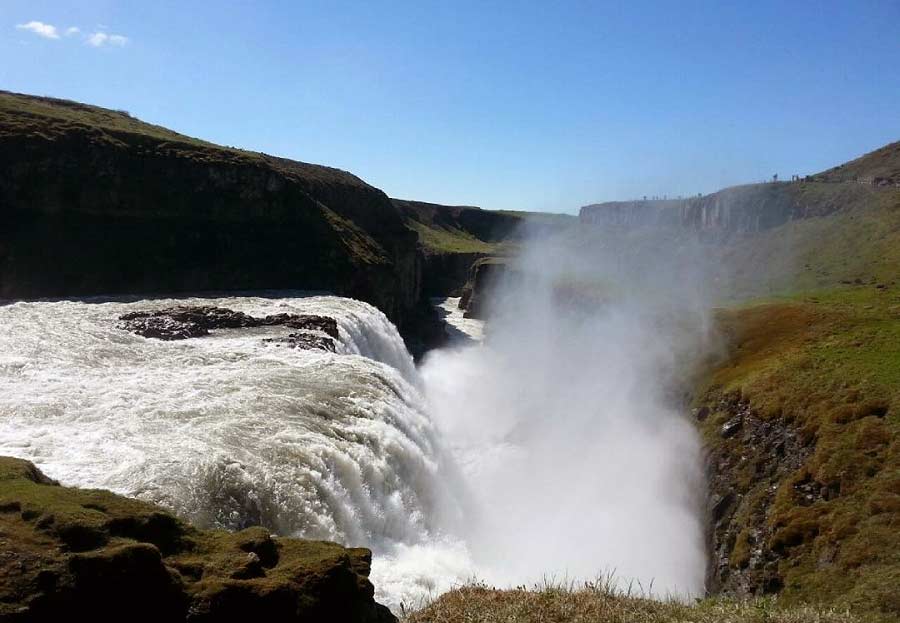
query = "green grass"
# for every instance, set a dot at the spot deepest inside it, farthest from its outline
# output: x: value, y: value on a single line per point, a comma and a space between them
x: 437, y: 239
x: 883, y: 162
x: 829, y: 364
x: 601, y: 602
x: 56, y: 120
x: 858, y: 239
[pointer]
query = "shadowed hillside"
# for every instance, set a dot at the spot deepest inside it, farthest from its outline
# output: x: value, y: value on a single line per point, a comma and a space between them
x: 94, y: 201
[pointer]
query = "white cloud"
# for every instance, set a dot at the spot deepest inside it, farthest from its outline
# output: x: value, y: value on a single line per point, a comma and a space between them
x: 100, y: 39
x: 48, y: 31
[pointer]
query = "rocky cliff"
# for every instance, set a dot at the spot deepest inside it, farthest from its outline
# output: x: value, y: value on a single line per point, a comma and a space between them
x: 452, y: 238
x: 732, y: 211
x: 801, y: 427
x: 71, y: 554
x: 93, y: 201
x: 484, y: 275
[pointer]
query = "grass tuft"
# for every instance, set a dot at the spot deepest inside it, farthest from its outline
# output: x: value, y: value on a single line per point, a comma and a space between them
x: 602, y: 601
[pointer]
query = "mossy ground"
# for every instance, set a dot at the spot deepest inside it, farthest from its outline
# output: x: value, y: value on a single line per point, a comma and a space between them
x: 827, y: 364
x: 76, y: 551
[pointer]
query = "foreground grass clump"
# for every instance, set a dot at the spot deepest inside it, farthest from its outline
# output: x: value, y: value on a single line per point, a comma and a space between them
x: 599, y: 603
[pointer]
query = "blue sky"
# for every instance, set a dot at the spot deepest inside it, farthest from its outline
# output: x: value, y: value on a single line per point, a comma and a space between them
x: 514, y: 105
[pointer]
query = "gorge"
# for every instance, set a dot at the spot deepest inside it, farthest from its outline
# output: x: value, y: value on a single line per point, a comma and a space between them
x: 695, y: 397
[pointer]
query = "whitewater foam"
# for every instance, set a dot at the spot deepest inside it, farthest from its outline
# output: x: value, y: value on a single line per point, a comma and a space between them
x: 226, y: 430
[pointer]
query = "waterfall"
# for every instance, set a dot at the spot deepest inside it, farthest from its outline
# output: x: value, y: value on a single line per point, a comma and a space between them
x: 226, y: 430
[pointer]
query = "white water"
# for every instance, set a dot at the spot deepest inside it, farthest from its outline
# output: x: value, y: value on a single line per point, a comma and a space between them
x: 227, y: 430
x: 436, y: 470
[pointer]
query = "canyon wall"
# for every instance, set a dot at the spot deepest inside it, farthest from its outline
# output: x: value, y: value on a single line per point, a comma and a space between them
x: 737, y: 210
x: 93, y: 202
x: 453, y: 238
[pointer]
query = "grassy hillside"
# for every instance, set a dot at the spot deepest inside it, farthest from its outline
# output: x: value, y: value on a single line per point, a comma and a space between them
x: 458, y: 229
x: 879, y: 166
x: 468, y: 229
x: 853, y: 234
x: 53, y: 119
x: 802, y: 422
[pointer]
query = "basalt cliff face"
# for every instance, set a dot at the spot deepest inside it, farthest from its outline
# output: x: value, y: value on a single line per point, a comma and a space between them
x: 93, y: 201
x: 737, y: 210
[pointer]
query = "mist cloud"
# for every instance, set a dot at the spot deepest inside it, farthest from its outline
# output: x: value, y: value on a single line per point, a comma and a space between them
x: 568, y: 422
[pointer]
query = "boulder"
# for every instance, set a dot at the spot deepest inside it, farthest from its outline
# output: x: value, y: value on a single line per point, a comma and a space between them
x: 185, y: 321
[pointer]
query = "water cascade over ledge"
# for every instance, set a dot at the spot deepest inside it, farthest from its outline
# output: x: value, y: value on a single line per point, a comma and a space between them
x: 431, y: 468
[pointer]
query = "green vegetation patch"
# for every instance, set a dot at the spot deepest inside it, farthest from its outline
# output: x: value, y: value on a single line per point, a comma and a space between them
x: 52, y: 119
x: 852, y: 235
x: 435, y: 240
x: 828, y: 366
x: 65, y: 550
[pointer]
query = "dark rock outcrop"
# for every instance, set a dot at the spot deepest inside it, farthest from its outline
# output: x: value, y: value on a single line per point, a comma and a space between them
x: 446, y: 274
x: 303, y: 341
x: 744, y: 471
x: 93, y: 201
x: 185, y: 321
x: 483, y: 276
x: 70, y: 554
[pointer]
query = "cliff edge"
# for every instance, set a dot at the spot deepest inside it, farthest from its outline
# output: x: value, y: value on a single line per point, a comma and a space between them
x: 93, y: 201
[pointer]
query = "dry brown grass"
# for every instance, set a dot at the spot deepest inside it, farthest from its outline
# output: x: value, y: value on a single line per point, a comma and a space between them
x: 598, y: 602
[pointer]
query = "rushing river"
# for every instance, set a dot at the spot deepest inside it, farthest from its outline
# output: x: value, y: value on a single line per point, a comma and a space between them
x: 356, y: 446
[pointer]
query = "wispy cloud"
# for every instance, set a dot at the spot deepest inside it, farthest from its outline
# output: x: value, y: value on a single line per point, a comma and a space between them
x: 100, y: 39
x: 48, y: 31
x: 97, y: 39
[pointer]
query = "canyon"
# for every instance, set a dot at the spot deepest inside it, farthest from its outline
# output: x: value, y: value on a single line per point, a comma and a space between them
x: 193, y: 275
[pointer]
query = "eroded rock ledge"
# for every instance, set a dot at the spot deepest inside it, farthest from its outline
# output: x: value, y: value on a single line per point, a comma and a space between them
x: 70, y: 554
x: 185, y: 321
x: 744, y: 470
